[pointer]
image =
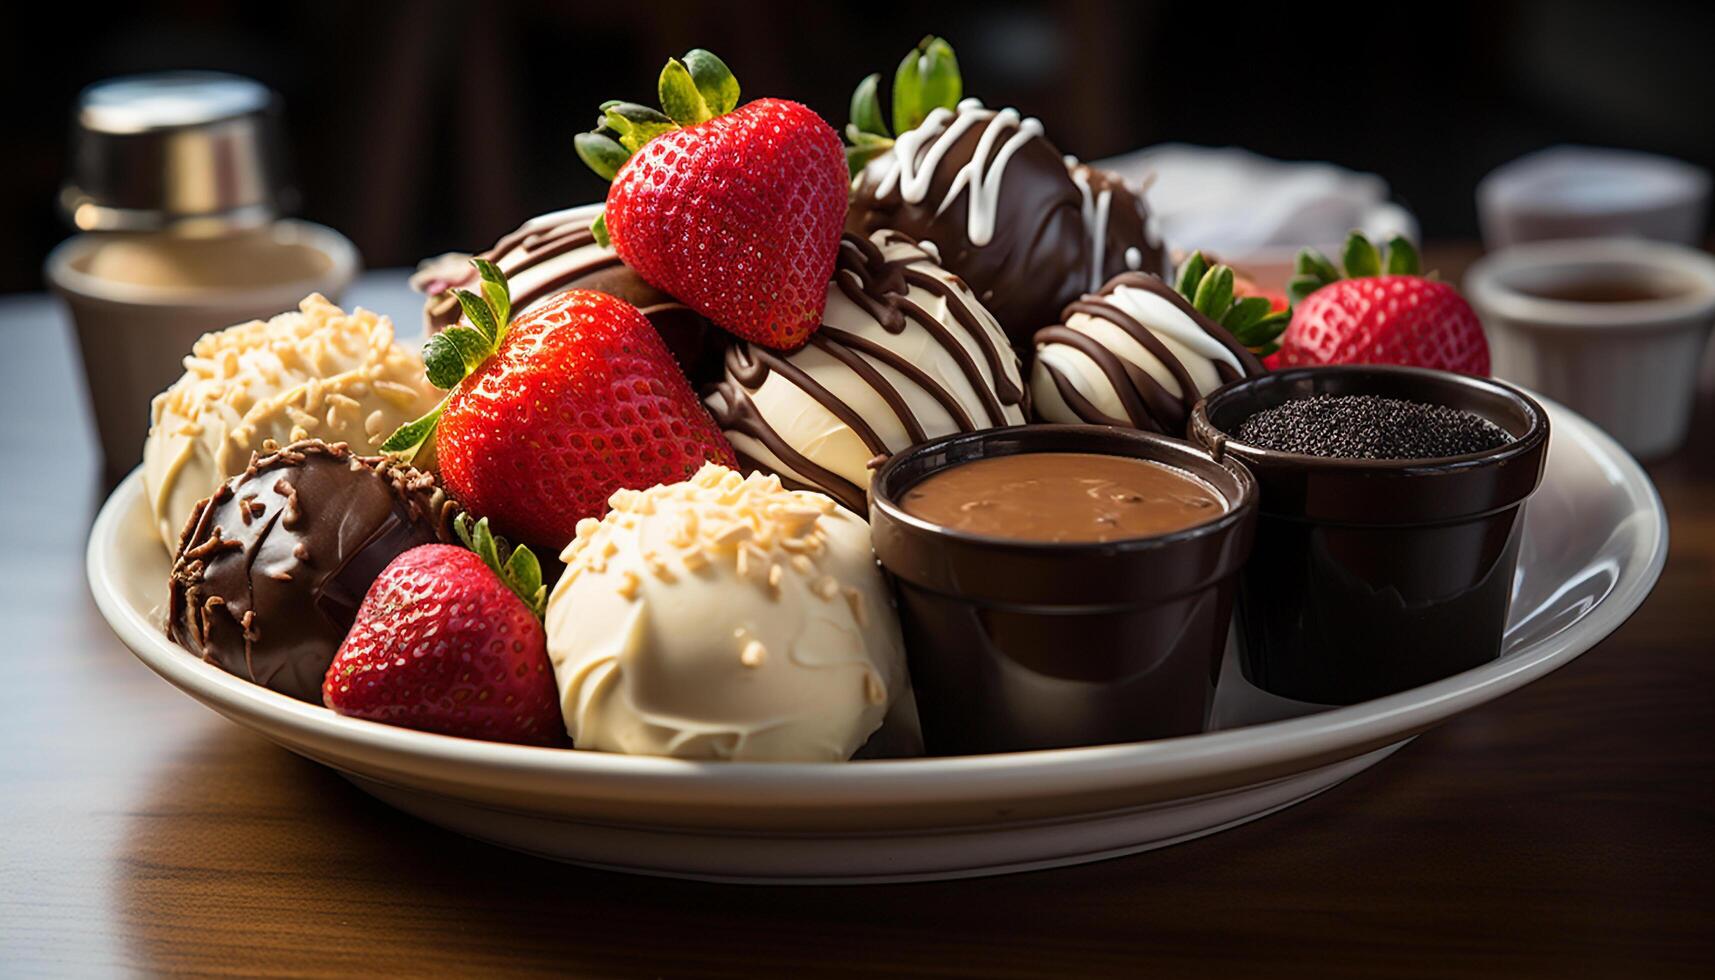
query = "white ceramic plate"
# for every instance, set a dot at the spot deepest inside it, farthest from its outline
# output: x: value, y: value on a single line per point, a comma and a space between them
x: 1595, y: 540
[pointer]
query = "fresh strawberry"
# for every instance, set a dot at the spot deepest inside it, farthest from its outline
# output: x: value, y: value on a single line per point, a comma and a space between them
x: 545, y: 418
x: 1381, y: 312
x: 450, y: 640
x: 737, y: 212
x: 1213, y: 290
x: 1244, y: 285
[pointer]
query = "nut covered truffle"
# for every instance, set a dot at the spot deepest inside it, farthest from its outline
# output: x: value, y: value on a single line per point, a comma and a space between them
x: 905, y: 354
x: 273, y: 567
x: 725, y: 617
x: 314, y: 373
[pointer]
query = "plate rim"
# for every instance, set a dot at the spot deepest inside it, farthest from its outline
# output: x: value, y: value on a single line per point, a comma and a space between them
x: 1225, y: 758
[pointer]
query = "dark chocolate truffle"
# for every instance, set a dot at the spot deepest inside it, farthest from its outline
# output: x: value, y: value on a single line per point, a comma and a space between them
x: 1028, y: 229
x: 555, y: 252
x: 271, y: 569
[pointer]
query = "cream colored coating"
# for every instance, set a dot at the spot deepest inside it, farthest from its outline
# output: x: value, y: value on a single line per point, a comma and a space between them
x: 804, y: 424
x: 1176, y: 331
x: 317, y: 372
x: 724, y: 618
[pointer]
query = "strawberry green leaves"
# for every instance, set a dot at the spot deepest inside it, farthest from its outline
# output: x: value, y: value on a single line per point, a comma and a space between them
x: 714, y: 80
x: 926, y: 80
x: 453, y: 354
x: 636, y: 124
x: 697, y: 89
x: 520, y: 571
x: 1402, y: 257
x: 1251, y: 320
x: 867, y: 132
x: 408, y: 440
x: 601, y: 152
x: 866, y: 109
x: 1359, y: 258
x: 679, y: 96
x: 692, y: 90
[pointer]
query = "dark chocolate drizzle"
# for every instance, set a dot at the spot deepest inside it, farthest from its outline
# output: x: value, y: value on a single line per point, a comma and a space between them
x: 881, y: 288
x: 268, y: 594
x: 539, y: 244
x: 1148, y: 404
x: 694, y: 343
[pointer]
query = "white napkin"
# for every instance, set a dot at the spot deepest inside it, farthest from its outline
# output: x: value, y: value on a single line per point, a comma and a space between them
x: 1243, y: 206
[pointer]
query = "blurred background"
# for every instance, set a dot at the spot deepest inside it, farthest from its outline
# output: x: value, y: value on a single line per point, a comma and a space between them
x: 421, y: 127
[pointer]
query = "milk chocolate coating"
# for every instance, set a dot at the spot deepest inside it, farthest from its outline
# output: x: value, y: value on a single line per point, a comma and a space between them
x: 561, y: 252
x: 271, y: 569
x: 1042, y: 254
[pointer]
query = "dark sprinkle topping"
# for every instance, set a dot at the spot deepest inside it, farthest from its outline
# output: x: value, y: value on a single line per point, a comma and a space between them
x: 1370, y: 427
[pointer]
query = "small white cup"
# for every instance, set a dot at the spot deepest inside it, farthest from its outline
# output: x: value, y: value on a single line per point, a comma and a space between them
x: 1631, y: 365
x: 1587, y: 192
x: 134, y: 337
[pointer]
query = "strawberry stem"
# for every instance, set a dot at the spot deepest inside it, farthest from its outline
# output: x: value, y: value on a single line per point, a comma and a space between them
x: 716, y: 82
x: 455, y: 353
x: 1359, y: 257
x: 1402, y: 257
x: 866, y: 110
x: 680, y: 99
x: 1250, y: 319
x: 408, y: 440
x: 692, y: 90
x: 520, y: 571
x: 926, y: 80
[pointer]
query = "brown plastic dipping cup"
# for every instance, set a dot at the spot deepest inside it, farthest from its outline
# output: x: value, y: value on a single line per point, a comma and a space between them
x: 1018, y: 645
x: 1375, y: 576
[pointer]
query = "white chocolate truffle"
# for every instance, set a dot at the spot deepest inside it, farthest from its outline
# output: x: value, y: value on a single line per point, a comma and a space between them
x: 318, y: 372
x: 724, y: 618
x: 1135, y: 354
x: 905, y: 353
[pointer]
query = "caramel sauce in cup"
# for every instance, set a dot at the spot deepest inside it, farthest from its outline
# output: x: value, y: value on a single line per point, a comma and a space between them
x: 1041, y: 606
x: 1060, y: 496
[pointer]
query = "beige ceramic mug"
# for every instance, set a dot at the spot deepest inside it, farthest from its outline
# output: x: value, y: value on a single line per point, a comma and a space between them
x: 140, y: 302
x: 1614, y: 328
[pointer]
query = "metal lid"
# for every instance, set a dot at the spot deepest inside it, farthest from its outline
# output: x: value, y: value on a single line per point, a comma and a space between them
x: 191, y: 151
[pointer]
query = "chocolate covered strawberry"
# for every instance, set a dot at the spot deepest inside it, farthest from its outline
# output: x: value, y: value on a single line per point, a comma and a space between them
x: 1379, y: 310
x: 736, y: 212
x: 546, y: 417
x: 450, y: 640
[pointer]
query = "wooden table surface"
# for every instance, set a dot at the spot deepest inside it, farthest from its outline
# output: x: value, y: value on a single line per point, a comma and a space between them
x: 1566, y: 830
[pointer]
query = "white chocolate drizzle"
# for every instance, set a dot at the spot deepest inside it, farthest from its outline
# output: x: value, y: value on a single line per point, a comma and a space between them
x: 1095, y: 209
x: 917, y: 155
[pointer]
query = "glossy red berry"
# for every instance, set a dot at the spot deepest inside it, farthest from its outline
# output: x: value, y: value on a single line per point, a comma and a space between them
x: 738, y: 217
x: 442, y: 645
